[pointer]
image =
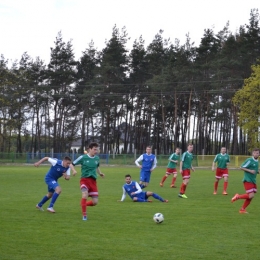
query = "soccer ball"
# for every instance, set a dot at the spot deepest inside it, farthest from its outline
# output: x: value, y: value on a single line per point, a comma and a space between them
x: 158, y: 218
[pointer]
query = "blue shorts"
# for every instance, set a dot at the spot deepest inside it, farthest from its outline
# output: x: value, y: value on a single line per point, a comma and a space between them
x: 141, y: 195
x: 52, y: 184
x: 145, y: 176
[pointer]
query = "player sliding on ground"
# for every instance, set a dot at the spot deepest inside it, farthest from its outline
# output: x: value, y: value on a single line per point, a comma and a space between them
x: 133, y: 189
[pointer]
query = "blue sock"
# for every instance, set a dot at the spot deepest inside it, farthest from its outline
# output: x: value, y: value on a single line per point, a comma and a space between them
x: 53, y: 199
x: 44, y: 199
x: 142, y: 186
x: 156, y: 196
x: 141, y: 200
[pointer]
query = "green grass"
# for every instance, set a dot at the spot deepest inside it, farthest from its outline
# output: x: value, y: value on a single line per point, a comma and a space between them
x: 203, y: 226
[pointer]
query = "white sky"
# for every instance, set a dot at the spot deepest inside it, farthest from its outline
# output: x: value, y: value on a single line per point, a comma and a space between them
x: 32, y: 25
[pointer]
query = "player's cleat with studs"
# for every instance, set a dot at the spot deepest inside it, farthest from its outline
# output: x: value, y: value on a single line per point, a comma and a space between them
x: 161, y: 184
x: 184, y: 196
x: 236, y: 197
x: 215, y: 193
x: 243, y: 211
x: 149, y: 201
x: 166, y: 201
x: 84, y: 218
x: 51, y: 209
x: 39, y: 208
x: 180, y: 195
x: 173, y: 186
x: 224, y: 193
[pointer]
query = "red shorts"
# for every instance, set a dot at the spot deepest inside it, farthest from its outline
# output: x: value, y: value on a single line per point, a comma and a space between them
x: 250, y: 187
x: 171, y: 171
x: 186, y: 174
x: 91, y: 185
x: 220, y: 173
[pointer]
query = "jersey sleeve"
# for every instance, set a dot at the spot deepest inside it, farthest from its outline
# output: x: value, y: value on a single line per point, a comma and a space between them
x: 52, y: 161
x: 138, y: 160
x: 246, y: 163
x: 123, y: 195
x: 68, y: 172
x: 183, y: 157
x: 78, y: 160
x: 215, y: 159
x: 139, y: 190
x: 154, y: 163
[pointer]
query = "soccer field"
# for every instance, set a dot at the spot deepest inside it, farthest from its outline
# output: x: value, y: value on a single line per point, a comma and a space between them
x: 204, y: 226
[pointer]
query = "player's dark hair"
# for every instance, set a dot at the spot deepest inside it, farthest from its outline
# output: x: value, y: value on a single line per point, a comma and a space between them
x: 177, y: 148
x: 256, y: 150
x: 190, y: 144
x: 149, y: 146
x: 67, y: 158
x: 127, y: 175
x: 93, y: 144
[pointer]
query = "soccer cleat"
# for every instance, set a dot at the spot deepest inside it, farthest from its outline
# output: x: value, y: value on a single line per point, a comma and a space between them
x: 235, y: 198
x: 243, y: 211
x: 184, y: 196
x: 224, y: 193
x: 214, y: 192
x: 149, y: 201
x: 39, y: 208
x: 84, y: 218
x: 180, y: 195
x: 166, y: 201
x: 51, y: 209
x: 173, y: 186
x: 161, y: 184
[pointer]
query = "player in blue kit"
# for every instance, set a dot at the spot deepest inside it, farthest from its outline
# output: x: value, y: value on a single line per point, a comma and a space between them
x: 149, y: 162
x: 133, y: 189
x: 58, y: 169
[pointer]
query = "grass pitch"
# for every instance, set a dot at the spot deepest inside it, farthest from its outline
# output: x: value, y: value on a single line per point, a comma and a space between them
x: 204, y: 226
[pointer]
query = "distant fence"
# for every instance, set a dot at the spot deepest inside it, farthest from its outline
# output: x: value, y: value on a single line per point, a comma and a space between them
x: 118, y: 159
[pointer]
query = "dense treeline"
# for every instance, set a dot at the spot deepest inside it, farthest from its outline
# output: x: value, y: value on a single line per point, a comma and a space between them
x: 165, y: 94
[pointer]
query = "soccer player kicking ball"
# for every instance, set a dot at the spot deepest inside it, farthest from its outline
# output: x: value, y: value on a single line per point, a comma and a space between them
x: 133, y: 189
x: 185, y: 167
x: 250, y: 168
x: 58, y: 169
x: 171, y: 168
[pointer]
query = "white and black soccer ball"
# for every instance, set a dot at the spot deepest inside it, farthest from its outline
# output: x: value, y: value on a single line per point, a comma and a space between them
x: 158, y: 218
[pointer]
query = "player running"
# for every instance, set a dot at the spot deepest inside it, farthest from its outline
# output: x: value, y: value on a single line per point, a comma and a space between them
x: 171, y: 168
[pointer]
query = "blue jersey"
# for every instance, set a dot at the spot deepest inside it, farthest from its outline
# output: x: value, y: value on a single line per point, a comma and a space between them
x: 57, y: 169
x: 132, y: 187
x: 148, y: 161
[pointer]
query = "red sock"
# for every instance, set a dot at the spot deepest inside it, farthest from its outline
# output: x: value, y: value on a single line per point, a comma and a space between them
x: 225, y: 185
x: 246, y: 203
x: 84, y: 206
x: 173, y: 180
x: 181, y: 188
x: 184, y: 187
x: 164, y: 178
x: 90, y: 203
x: 244, y: 196
x: 216, y: 185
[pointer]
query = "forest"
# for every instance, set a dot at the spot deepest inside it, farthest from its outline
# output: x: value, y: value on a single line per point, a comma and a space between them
x: 163, y: 94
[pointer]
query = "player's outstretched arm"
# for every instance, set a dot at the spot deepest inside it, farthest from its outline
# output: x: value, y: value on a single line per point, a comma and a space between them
x: 100, y: 173
x: 37, y: 164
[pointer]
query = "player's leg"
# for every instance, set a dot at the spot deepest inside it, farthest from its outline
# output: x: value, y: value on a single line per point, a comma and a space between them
x: 225, y: 176
x: 174, y: 179
x: 84, y: 196
x: 218, y: 177
x: 147, y: 176
x: 44, y: 199
x: 92, y: 192
x: 142, y: 177
x: 156, y: 196
x: 251, y: 189
x: 53, y: 187
x: 163, y: 179
x: 186, y: 178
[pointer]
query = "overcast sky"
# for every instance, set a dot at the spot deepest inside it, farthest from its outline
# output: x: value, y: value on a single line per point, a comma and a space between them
x: 32, y: 25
